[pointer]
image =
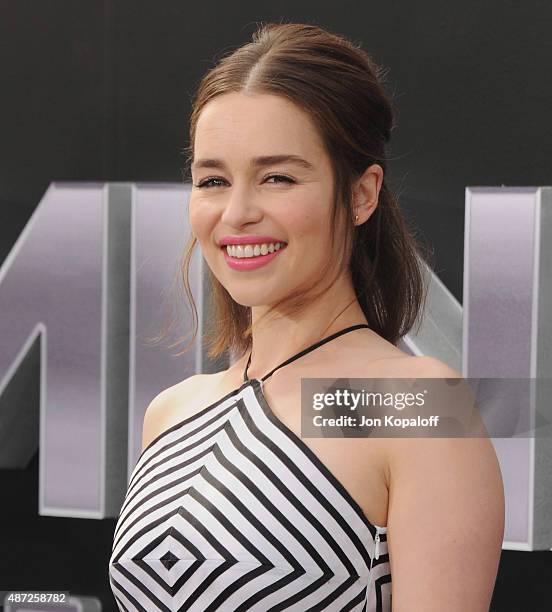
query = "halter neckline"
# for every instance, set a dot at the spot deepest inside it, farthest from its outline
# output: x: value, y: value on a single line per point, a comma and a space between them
x: 303, y: 352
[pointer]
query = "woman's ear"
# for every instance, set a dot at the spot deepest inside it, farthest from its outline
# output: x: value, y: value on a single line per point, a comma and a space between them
x: 366, y: 193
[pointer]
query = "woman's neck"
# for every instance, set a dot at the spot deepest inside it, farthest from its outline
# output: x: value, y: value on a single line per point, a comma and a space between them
x: 277, y: 339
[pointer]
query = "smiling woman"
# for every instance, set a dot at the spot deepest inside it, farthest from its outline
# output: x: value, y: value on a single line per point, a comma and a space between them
x: 300, y: 116
x: 228, y: 507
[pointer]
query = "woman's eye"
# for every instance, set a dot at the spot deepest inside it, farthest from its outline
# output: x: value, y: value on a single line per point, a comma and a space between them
x: 285, y: 179
x: 208, y: 182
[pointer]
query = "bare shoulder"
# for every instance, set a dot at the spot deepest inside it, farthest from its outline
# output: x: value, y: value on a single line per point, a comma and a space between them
x: 161, y: 411
x: 460, y: 403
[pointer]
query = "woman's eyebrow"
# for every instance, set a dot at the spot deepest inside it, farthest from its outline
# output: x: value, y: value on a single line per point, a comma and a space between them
x: 263, y: 160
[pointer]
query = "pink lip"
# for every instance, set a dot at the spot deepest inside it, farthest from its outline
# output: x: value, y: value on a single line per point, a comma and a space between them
x: 250, y: 263
x: 253, y: 239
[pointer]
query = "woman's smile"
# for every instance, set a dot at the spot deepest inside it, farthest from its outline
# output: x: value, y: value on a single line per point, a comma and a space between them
x: 250, y: 258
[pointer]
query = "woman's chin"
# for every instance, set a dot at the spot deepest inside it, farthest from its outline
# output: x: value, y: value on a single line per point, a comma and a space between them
x: 252, y: 296
x: 247, y: 300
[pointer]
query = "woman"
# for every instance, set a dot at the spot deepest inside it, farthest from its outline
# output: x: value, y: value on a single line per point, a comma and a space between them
x: 314, y: 274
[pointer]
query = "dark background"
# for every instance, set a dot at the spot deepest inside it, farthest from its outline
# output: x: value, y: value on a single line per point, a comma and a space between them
x: 101, y: 91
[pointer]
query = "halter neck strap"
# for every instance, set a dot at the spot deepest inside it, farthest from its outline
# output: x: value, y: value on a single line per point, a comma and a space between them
x: 304, y: 351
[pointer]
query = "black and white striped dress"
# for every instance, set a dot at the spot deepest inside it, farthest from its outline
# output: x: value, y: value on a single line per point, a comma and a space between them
x: 230, y: 510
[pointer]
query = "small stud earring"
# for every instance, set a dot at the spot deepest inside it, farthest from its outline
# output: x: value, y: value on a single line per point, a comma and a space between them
x: 356, y: 218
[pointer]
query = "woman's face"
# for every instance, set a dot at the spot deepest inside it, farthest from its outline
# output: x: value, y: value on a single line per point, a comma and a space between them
x: 239, y: 192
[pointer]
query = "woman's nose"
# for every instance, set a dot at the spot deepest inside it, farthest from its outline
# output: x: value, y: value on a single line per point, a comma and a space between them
x: 241, y: 207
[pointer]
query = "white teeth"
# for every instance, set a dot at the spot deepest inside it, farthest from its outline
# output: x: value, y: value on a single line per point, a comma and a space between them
x: 252, y: 250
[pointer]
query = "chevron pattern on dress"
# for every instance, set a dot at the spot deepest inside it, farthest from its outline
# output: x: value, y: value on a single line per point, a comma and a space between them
x: 230, y: 510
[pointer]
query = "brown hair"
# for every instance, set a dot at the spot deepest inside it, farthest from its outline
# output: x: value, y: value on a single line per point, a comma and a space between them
x: 340, y: 86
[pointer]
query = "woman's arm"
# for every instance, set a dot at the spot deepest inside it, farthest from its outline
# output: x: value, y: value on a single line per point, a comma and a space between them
x: 445, y: 521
